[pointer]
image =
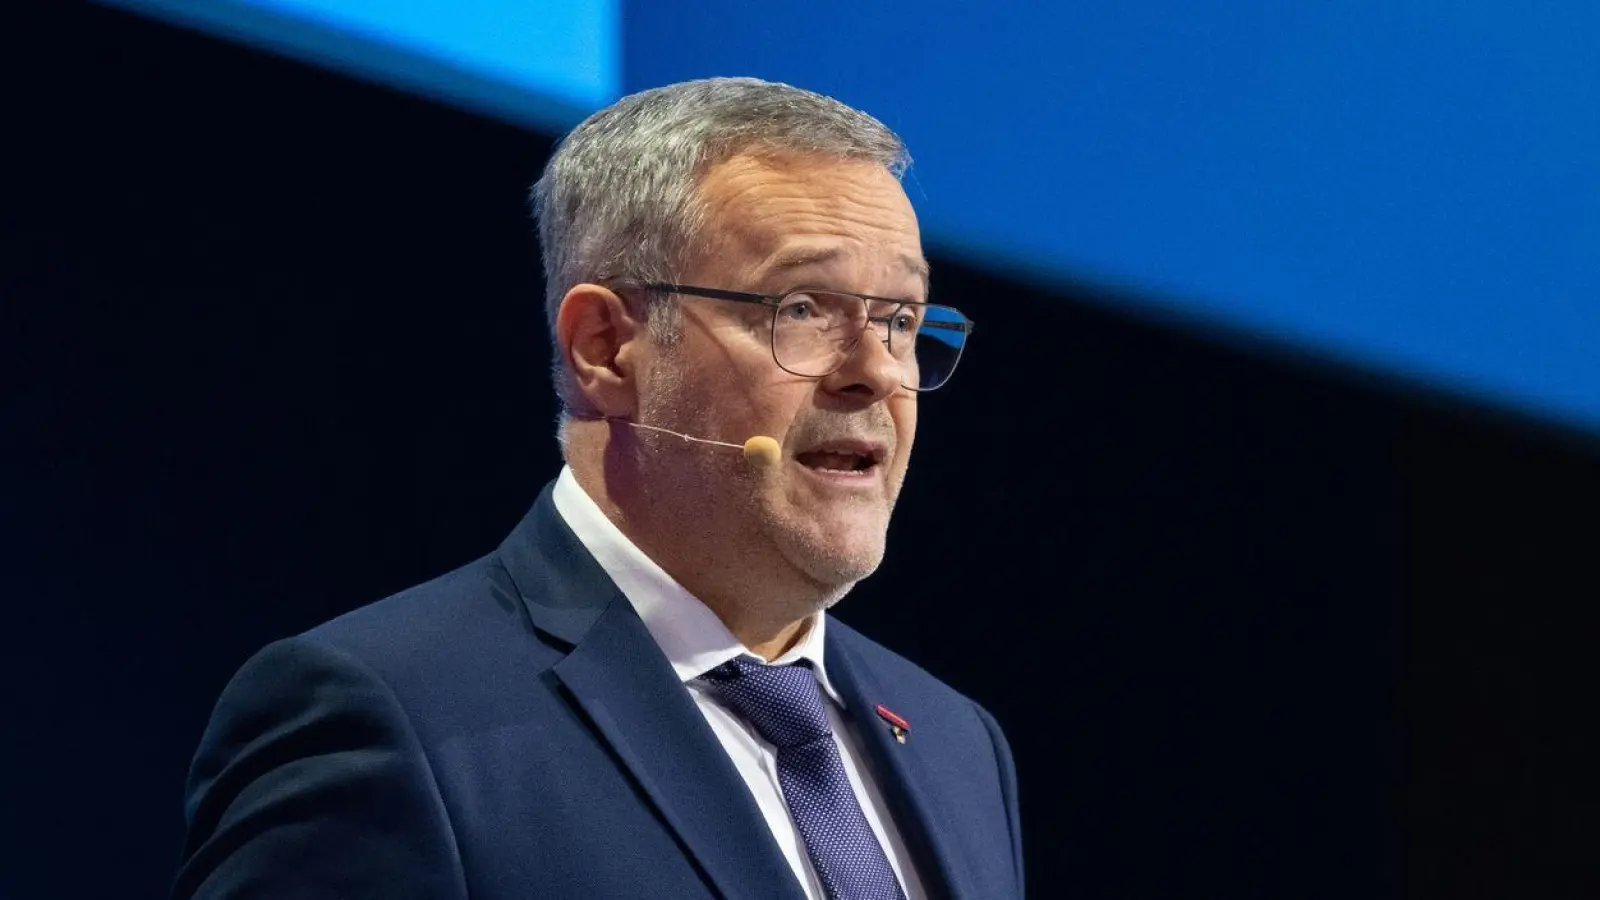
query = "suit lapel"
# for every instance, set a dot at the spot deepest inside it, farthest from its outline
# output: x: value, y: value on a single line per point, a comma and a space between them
x: 617, y: 674
x: 924, y: 822
x: 624, y: 684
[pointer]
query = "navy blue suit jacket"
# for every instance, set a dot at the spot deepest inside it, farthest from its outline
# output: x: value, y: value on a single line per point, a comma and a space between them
x: 511, y: 730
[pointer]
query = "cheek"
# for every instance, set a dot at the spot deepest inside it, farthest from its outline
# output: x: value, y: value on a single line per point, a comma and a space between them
x: 904, y: 413
x: 720, y: 386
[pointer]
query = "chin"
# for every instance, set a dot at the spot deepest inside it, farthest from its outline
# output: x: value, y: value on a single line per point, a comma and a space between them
x: 835, y: 559
x: 831, y: 547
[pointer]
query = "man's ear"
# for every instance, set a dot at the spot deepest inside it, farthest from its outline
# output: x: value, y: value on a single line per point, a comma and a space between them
x: 600, y: 339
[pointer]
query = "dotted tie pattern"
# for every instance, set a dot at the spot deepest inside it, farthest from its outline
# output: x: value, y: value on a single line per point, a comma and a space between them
x: 784, y: 704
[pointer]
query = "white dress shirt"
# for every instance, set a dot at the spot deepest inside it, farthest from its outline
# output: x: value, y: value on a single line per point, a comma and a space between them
x: 695, y: 641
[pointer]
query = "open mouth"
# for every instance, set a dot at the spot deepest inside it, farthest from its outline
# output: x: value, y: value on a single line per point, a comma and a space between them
x: 842, y: 459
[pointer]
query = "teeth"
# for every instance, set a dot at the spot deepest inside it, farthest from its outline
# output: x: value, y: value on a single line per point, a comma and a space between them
x: 841, y: 462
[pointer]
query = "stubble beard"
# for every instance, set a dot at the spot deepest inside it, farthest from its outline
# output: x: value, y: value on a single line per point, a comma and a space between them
x: 832, y: 563
x: 739, y: 513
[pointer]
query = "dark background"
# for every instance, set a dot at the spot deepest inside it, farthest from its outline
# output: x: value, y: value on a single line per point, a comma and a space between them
x: 271, y: 348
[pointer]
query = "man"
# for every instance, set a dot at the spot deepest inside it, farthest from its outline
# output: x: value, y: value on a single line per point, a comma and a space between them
x: 639, y: 693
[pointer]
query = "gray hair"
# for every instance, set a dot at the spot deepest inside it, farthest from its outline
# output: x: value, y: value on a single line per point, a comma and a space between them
x: 620, y: 196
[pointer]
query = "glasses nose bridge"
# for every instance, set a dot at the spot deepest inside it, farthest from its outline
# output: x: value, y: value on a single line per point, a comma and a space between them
x: 856, y: 320
x: 879, y: 325
x: 850, y: 344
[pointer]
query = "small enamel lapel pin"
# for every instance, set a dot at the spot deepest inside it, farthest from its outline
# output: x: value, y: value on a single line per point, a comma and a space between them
x: 897, y: 726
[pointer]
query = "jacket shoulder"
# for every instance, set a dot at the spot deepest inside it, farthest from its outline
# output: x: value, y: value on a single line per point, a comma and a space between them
x: 438, y: 644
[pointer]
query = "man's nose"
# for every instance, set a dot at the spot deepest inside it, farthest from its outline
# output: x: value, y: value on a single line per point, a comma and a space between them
x: 869, y: 372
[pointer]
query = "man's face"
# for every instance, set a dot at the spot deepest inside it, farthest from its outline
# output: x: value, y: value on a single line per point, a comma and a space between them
x: 817, y: 518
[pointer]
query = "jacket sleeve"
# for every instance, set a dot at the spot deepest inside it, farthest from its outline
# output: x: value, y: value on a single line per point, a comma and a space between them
x: 310, y: 783
x: 1008, y: 786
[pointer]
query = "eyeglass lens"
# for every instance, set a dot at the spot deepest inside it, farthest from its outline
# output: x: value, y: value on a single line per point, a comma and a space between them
x: 814, y: 332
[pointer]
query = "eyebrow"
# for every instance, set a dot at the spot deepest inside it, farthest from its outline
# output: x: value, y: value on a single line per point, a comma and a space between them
x: 800, y: 257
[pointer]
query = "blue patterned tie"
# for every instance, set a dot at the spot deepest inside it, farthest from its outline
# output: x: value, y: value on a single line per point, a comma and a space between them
x: 785, y: 706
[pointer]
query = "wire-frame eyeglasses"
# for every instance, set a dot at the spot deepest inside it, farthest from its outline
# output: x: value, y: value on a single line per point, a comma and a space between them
x: 815, y: 331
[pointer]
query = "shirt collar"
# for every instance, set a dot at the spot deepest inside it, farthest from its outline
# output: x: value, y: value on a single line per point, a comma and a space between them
x: 691, y: 636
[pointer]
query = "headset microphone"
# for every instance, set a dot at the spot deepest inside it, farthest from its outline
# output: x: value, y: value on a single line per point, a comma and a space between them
x: 760, y: 449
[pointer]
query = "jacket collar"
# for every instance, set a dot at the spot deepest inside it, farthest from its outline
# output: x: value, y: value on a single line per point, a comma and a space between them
x: 619, y: 677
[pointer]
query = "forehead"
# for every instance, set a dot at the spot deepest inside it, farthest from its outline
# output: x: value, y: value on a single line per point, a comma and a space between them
x: 766, y: 213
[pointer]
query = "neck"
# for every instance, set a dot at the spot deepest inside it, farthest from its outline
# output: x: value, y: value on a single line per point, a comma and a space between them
x: 768, y: 640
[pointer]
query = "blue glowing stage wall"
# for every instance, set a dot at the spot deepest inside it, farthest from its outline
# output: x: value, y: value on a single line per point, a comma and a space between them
x: 1409, y: 187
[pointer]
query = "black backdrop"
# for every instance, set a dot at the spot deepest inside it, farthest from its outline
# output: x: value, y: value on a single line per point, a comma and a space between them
x: 272, y: 348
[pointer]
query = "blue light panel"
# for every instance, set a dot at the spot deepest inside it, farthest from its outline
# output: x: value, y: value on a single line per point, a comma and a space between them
x: 1410, y: 187
x: 542, y: 64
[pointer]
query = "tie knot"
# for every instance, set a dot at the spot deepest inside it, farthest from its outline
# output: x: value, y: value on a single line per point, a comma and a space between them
x: 782, y: 702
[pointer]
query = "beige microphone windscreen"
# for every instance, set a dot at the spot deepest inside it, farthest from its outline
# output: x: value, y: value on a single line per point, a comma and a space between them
x: 762, y: 449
